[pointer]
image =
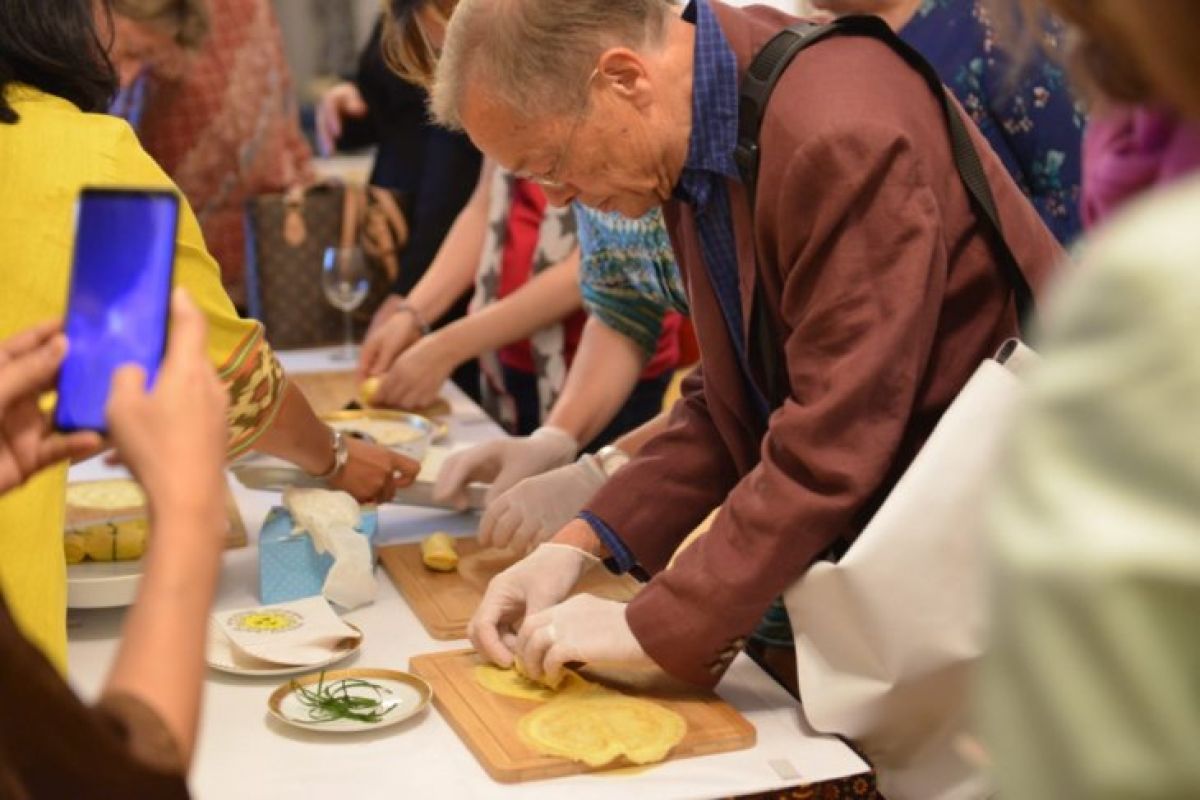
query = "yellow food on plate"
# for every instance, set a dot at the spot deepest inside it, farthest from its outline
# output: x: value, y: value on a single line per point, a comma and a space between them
x: 108, y: 542
x: 438, y: 553
x: 601, y: 726
x: 367, y: 390
x: 511, y: 683
x: 73, y: 547
x: 112, y: 494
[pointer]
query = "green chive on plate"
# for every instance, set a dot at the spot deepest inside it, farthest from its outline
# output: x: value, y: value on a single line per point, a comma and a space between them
x: 350, y: 700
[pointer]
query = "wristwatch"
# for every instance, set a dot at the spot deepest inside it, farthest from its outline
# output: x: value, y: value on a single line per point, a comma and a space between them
x: 341, y: 454
x: 611, y: 458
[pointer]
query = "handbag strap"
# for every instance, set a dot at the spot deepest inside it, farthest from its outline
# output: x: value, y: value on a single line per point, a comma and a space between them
x: 764, y: 73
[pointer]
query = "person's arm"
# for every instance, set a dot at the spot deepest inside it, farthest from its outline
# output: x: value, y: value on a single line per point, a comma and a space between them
x: 535, y: 487
x: 173, y: 439
x: 1039, y: 118
x: 857, y: 341
x: 397, y: 324
x: 682, y: 471
x: 417, y: 375
x: 603, y: 375
x: 265, y: 411
x: 548, y: 297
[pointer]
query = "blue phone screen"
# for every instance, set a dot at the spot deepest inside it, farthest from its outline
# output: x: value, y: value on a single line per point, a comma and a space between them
x: 120, y: 296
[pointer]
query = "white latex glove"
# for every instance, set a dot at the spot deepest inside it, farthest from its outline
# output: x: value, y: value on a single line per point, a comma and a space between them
x: 585, y: 628
x: 502, y: 463
x: 536, y: 508
x: 538, y: 581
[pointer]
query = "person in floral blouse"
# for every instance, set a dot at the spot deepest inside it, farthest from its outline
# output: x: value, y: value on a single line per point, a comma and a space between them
x: 1031, y: 118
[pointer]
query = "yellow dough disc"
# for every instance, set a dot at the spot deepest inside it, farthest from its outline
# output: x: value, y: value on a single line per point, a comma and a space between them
x: 73, y: 547
x: 600, y: 726
x: 105, y: 494
x: 511, y: 683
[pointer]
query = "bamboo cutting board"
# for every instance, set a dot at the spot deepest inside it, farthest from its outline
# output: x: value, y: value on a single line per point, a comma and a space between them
x: 328, y: 392
x: 445, y: 601
x: 487, y: 722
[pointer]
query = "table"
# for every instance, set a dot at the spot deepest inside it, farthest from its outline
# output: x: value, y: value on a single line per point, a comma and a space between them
x: 244, y: 753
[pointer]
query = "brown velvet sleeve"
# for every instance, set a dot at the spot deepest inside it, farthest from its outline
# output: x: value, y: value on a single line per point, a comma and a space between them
x: 676, y: 481
x: 53, y: 745
x: 862, y: 265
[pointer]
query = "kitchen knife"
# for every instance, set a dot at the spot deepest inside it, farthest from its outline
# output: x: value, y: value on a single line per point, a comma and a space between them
x: 277, y: 477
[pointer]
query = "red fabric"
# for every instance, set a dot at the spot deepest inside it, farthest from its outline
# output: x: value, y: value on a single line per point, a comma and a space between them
x: 666, y: 357
x: 229, y: 129
x: 689, y: 348
x: 516, y: 268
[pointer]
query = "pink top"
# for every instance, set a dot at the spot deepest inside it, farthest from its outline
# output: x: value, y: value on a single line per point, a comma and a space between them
x: 1129, y: 150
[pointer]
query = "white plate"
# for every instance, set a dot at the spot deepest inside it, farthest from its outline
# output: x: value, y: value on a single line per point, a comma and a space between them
x: 406, y: 693
x: 103, y: 584
x: 222, y: 657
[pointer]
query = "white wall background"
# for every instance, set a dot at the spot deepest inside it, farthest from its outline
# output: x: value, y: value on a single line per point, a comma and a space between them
x: 790, y: 6
x: 299, y: 31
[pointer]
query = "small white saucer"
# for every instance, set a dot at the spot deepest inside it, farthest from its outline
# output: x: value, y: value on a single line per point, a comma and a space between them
x: 404, y: 694
x: 223, y: 657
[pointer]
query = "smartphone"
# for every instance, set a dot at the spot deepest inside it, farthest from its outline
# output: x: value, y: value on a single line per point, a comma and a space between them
x: 119, y: 302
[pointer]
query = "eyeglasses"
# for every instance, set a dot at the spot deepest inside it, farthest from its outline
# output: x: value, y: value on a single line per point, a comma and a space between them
x: 550, y: 180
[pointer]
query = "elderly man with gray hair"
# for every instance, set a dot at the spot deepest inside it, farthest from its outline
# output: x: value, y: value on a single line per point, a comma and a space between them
x: 876, y: 275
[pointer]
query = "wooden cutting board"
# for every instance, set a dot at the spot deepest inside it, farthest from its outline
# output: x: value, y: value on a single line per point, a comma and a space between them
x: 487, y: 722
x: 445, y: 601
x: 328, y: 392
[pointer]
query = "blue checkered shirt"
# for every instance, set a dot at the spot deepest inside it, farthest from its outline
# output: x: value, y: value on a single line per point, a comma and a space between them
x: 702, y: 186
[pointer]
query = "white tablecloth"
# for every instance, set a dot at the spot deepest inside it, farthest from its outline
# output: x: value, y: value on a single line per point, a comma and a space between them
x: 244, y: 753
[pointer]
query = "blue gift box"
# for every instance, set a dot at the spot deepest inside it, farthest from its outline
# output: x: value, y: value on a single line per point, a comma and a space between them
x: 289, y: 567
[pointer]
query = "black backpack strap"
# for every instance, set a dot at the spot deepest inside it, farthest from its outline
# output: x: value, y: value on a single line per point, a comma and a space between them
x: 764, y: 72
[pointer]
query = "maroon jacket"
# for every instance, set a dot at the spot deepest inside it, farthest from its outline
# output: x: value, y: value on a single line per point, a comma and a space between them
x: 887, y: 297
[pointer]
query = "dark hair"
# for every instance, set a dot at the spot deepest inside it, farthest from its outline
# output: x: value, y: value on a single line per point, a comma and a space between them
x: 1098, y: 53
x: 54, y: 46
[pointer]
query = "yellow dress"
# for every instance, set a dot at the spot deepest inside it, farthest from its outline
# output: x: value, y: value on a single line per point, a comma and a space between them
x: 45, y: 158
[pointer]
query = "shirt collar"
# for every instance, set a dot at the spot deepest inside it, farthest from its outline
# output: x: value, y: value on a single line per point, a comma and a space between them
x: 714, y: 96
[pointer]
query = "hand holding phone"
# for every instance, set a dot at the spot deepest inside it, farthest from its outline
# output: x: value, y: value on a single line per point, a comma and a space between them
x: 118, y: 307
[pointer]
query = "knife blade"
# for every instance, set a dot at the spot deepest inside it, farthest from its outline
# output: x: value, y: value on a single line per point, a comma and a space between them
x: 276, y: 478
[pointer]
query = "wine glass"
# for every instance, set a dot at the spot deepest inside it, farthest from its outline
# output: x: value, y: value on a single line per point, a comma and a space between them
x: 345, y: 281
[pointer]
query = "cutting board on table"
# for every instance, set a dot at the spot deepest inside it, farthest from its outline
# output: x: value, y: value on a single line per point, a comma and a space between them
x: 328, y: 392
x: 445, y: 601
x: 487, y: 722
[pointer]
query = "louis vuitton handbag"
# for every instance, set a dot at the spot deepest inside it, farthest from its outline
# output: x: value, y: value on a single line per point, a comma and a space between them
x: 286, y: 238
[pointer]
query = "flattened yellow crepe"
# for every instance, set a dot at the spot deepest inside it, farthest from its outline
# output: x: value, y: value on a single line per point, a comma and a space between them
x: 584, y: 721
x: 599, y: 727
